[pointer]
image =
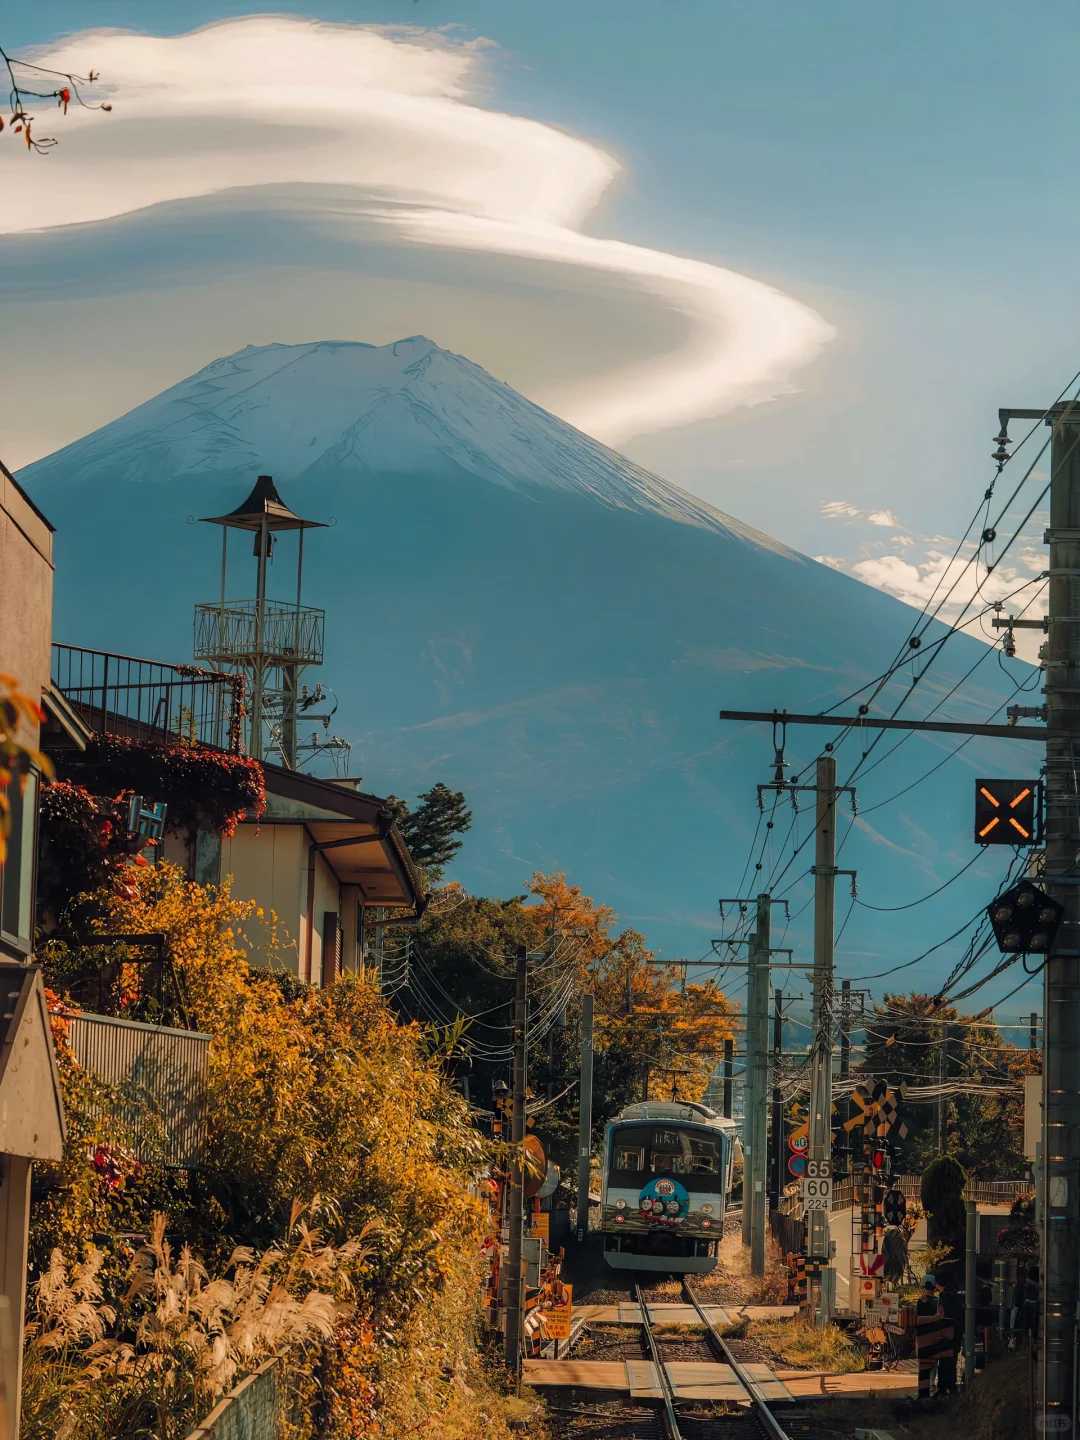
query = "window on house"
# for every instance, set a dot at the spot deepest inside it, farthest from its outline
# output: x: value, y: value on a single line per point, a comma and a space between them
x: 17, y: 871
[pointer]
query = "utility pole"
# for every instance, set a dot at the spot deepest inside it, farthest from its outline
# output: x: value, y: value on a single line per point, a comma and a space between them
x: 729, y: 1071
x: 1061, y: 879
x: 515, y: 1306
x: 585, y: 1117
x: 749, y: 1102
x: 845, y: 1029
x: 1033, y: 1032
x: 758, y: 1121
x: 971, y: 1247
x: 820, y: 1147
x: 776, y: 1184
x: 941, y: 1138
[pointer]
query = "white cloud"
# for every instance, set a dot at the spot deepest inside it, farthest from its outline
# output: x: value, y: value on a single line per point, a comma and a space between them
x: 838, y: 509
x: 885, y: 518
x: 391, y: 117
x: 960, y: 588
x: 834, y: 562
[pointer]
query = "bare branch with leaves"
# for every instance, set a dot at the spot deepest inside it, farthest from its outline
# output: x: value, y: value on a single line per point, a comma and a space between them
x: 23, y: 77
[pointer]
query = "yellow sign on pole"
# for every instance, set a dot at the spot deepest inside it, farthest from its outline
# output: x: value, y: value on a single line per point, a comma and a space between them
x: 540, y: 1225
x: 557, y: 1317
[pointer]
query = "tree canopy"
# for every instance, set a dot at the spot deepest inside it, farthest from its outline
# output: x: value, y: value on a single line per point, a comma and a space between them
x: 431, y: 829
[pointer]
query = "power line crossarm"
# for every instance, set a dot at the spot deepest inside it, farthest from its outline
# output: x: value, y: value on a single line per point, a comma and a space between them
x: 874, y: 722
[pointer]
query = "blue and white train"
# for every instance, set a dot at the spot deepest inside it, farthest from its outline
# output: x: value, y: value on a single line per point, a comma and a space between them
x: 667, y: 1175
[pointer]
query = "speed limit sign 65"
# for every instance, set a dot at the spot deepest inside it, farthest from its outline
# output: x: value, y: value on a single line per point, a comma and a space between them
x: 818, y: 1169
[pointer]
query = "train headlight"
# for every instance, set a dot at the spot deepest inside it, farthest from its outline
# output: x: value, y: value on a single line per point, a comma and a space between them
x: 705, y: 1224
x: 706, y: 1209
x: 620, y: 1204
x: 619, y: 1219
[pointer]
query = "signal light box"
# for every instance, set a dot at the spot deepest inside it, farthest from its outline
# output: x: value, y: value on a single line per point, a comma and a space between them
x: 1006, y: 812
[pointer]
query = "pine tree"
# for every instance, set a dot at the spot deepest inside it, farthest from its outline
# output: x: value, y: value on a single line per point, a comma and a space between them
x: 431, y: 829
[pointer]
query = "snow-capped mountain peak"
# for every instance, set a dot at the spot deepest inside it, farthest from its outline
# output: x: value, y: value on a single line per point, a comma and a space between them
x: 345, y: 407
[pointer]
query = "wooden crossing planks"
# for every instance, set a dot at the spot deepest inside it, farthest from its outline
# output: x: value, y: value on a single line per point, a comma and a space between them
x: 628, y: 1314
x: 769, y: 1387
x: 642, y: 1380
x: 704, y: 1380
x: 690, y: 1379
x: 589, y: 1374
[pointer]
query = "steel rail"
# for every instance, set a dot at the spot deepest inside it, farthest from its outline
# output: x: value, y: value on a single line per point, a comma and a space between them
x: 772, y: 1426
x: 662, y: 1377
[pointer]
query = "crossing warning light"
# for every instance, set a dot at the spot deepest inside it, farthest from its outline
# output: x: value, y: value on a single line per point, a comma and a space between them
x: 1006, y: 812
x: 1025, y: 920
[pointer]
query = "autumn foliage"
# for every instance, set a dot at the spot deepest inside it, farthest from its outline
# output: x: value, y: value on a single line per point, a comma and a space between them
x: 321, y: 1100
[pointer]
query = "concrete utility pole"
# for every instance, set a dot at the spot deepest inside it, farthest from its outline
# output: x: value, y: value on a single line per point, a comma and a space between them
x: 758, y: 1062
x: 585, y: 1117
x: 820, y: 1147
x: 749, y: 1102
x: 971, y: 1248
x: 729, y: 1071
x: 1061, y: 1004
x: 845, y: 1029
x: 515, y: 1297
x: 776, y: 1183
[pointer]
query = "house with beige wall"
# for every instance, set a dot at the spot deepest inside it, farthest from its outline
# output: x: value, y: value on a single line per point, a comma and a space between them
x: 327, y: 860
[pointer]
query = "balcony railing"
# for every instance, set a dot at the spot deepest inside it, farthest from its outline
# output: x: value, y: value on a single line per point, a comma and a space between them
x: 148, y: 700
x: 236, y: 632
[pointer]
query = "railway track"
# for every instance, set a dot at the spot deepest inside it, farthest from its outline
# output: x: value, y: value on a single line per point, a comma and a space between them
x: 684, y: 1421
x: 670, y: 1418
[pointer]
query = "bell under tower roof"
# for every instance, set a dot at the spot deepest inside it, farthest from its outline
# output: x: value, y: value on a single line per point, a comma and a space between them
x: 263, y: 506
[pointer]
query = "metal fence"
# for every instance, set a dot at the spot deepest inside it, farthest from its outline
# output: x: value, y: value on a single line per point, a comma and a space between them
x: 147, y: 700
x: 252, y: 1410
x: 242, y: 629
x: 985, y: 1192
x: 161, y: 1075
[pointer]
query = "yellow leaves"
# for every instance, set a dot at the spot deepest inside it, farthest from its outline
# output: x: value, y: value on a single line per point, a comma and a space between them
x: 18, y: 714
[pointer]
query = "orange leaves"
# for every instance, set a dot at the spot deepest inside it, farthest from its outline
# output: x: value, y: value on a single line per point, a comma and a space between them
x: 19, y: 716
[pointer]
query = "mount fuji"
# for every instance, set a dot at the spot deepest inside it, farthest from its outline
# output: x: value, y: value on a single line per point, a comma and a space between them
x: 521, y: 612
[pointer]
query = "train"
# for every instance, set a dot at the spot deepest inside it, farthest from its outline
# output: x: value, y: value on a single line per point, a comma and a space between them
x: 667, y: 1175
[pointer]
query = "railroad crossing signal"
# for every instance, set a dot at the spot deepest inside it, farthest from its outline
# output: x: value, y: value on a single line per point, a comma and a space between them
x: 1025, y: 920
x: 879, y: 1113
x: 894, y: 1207
x: 1006, y: 812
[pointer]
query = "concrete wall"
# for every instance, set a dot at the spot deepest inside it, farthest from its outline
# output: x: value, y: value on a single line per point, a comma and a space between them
x: 26, y: 580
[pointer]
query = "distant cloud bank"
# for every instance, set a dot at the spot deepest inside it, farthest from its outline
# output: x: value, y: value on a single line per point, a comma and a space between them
x: 395, y: 117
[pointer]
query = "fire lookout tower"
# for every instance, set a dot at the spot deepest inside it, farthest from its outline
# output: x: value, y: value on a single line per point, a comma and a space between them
x: 268, y: 641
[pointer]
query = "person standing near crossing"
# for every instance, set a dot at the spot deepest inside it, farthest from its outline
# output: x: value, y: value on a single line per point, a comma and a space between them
x: 930, y: 1325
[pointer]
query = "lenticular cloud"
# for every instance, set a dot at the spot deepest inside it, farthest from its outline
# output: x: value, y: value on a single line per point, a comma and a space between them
x: 391, y: 117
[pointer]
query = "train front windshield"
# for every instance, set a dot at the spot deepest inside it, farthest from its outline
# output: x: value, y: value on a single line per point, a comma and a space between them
x: 638, y: 1151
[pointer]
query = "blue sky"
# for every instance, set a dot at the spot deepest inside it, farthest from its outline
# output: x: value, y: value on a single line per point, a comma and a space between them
x: 894, y: 170
x: 892, y: 167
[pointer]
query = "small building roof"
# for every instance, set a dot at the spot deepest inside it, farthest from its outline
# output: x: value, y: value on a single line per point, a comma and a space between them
x: 31, y: 1107
x: 354, y: 832
x: 263, y: 504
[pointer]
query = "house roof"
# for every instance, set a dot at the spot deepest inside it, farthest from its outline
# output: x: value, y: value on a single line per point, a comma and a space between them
x: 31, y: 1107
x: 10, y: 478
x: 353, y: 831
x: 264, y: 504
x: 66, y: 717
